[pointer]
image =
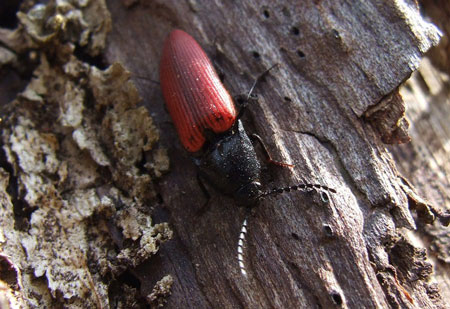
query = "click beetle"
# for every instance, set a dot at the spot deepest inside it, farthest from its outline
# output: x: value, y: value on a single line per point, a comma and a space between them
x: 209, y: 126
x: 207, y: 122
x: 206, y: 119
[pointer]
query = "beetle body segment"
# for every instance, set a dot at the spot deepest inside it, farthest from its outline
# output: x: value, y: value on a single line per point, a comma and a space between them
x: 231, y: 165
x: 196, y: 98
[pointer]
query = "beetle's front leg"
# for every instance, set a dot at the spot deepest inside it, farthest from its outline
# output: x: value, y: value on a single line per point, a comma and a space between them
x: 255, y: 137
x: 202, y: 186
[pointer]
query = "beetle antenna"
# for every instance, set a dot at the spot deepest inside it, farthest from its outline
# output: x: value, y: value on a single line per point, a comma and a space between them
x: 247, y: 99
x: 258, y: 79
x: 241, y: 245
x: 306, y: 187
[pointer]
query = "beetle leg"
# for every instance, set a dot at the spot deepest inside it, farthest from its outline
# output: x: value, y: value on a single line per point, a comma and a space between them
x: 255, y: 137
x: 219, y: 72
x: 147, y: 79
x: 202, y: 186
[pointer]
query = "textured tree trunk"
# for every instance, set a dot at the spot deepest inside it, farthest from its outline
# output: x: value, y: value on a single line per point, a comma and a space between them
x: 332, y: 107
x: 329, y: 108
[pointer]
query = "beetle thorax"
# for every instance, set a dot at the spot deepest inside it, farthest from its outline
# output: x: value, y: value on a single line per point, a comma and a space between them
x: 231, y: 165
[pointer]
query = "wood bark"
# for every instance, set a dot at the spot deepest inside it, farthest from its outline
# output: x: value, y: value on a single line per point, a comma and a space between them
x: 330, y: 107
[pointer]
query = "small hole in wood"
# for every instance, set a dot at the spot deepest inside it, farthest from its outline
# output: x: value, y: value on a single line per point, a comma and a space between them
x: 300, y: 54
x: 256, y: 55
x: 266, y: 13
x: 337, y: 299
x: 295, y: 236
x: 295, y: 31
x: 336, y: 34
x: 328, y: 230
x: 287, y: 99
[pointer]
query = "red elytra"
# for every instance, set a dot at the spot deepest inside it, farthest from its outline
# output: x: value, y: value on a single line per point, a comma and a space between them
x: 195, y: 96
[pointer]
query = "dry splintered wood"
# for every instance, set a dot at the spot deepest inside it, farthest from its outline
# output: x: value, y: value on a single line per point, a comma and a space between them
x: 425, y: 161
x: 329, y: 107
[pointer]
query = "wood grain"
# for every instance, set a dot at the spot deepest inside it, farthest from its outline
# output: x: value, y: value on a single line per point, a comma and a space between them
x: 337, y: 60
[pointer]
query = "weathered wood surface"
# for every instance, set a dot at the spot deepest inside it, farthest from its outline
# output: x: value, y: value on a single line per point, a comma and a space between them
x: 76, y: 194
x: 425, y: 161
x: 319, y: 110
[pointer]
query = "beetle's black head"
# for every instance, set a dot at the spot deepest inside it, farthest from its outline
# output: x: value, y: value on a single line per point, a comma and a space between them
x: 231, y: 166
x: 248, y: 194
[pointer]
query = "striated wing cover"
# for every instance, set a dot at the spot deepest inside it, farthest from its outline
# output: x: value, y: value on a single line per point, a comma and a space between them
x: 194, y: 95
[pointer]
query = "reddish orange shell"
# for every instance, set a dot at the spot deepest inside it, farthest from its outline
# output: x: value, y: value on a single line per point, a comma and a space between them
x: 194, y: 94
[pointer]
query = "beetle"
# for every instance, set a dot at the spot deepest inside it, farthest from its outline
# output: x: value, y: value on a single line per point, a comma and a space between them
x: 206, y: 119
x: 208, y: 123
x: 209, y: 126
